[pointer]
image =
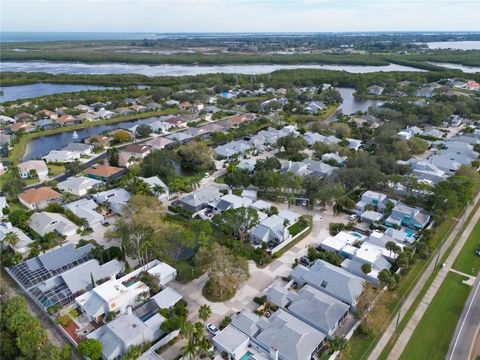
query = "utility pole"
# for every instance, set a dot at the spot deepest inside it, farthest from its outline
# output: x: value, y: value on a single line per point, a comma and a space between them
x: 398, y: 314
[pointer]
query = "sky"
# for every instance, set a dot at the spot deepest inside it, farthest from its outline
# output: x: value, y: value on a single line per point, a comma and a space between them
x: 238, y: 15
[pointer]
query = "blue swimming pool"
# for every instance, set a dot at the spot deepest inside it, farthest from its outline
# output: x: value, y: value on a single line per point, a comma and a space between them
x: 356, y: 234
x: 409, y: 232
x: 248, y: 356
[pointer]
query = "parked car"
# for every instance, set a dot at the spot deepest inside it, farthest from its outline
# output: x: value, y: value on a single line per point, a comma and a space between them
x: 212, y: 329
x: 477, y: 252
x: 304, y: 260
x: 353, y: 217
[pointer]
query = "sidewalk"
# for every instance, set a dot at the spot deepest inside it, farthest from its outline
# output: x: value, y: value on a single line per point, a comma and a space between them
x: 408, y: 331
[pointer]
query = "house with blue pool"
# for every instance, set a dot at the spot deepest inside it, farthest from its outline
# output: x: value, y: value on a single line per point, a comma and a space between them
x: 410, y: 217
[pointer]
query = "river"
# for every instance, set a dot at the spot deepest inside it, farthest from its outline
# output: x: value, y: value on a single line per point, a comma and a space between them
x: 181, y: 70
x: 351, y: 104
x: 456, y: 45
x: 11, y: 93
x: 464, y: 68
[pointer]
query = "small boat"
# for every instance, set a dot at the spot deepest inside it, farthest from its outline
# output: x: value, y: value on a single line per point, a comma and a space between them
x: 75, y: 135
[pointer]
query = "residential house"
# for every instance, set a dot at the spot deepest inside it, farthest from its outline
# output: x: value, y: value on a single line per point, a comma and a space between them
x: 66, y: 120
x: 132, y: 153
x: 138, y: 108
x: 22, y: 126
x: 335, y: 157
x: 158, y: 142
x: 153, y: 106
x: 86, y: 209
x: 24, y: 117
x: 116, y: 198
x: 6, y: 120
x: 282, y: 335
x: 3, y: 205
x: 372, y: 199
x: 199, y: 200
x: 233, y: 148
x: 47, y: 114
x: 314, y: 107
x: 39, y: 198
x: 425, y: 170
x: 274, y: 229
x: 161, y: 126
x: 84, y: 108
x: 22, y: 246
x: 30, y: 167
x: 78, y: 185
x: 314, y: 307
x: 371, y: 217
x: 124, y: 111
x: 45, y: 222
x: 179, y: 136
x: 231, y: 341
x: 408, y: 216
x: 228, y: 202
x: 375, y: 90
x: 87, y: 117
x: 79, y: 148
x: 159, y: 188
x: 105, y: 114
x: 105, y: 172
x: 248, y: 165
x: 44, y: 124
x: 330, y: 279
x: 354, y: 144
x: 61, y: 156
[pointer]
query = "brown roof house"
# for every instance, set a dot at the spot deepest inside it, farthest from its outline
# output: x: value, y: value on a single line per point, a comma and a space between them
x: 39, y: 198
x: 129, y: 155
x: 105, y: 172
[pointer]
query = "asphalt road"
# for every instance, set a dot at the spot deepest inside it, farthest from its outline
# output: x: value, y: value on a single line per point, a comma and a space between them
x: 462, y: 345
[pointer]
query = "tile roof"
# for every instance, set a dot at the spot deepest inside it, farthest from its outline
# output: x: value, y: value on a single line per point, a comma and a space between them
x: 33, y: 196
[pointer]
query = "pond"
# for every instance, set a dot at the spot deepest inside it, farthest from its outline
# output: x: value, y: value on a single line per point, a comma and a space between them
x: 11, y: 93
x: 41, y: 146
x: 180, y: 70
x: 352, y: 104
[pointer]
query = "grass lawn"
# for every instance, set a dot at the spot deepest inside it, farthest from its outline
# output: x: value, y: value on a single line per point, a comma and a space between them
x: 433, y: 334
x: 54, y: 170
x: 296, y: 228
x: 187, y: 271
x: 467, y: 261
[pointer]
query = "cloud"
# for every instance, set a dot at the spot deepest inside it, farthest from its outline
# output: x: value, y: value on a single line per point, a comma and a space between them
x: 239, y: 15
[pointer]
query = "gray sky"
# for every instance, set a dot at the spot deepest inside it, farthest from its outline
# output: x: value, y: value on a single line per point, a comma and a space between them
x: 239, y: 15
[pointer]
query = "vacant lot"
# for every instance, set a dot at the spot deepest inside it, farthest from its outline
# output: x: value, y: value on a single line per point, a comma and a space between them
x: 433, y: 334
x: 467, y: 261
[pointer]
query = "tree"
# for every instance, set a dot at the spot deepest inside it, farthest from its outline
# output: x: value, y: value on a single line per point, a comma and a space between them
x: 14, y: 183
x: 270, y: 164
x: 196, y: 156
x: 236, y: 222
x: 91, y: 348
x: 331, y: 96
x: 143, y: 131
x: 292, y: 145
x: 136, y: 185
x: 122, y: 136
x: 73, y: 168
x: 366, y: 268
x: 204, y: 312
x: 170, y: 240
x: 112, y: 156
x: 392, y: 247
x: 226, y: 270
x: 30, y: 342
x: 386, y: 279
x: 10, y: 239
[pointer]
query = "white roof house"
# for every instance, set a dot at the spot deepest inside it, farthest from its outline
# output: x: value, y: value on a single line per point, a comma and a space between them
x: 78, y: 185
x: 86, y: 209
x: 229, y: 201
x: 3, y: 205
x: 117, y: 198
x: 62, y: 156
x: 39, y: 166
x: 232, y: 341
x: 23, y: 244
x: 45, y: 222
x: 154, y: 182
x: 164, y: 272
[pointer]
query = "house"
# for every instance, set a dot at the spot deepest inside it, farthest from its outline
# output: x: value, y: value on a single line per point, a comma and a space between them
x: 375, y: 90
x: 172, y: 102
x: 178, y: 122
x: 45, y: 222
x: 233, y: 148
x: 158, y: 187
x: 3, y: 205
x: 105, y: 114
x: 78, y: 185
x: 47, y: 114
x: 314, y: 307
x: 330, y: 279
x: 33, y: 167
x: 105, y: 172
x: 372, y: 199
x: 282, y: 335
x: 179, y: 136
x: 22, y: 246
x: 56, y: 277
x: 86, y: 209
x: 409, y: 132
x: 200, y: 199
x: 312, y: 137
x: 61, y: 156
x: 314, y: 107
x: 116, y: 198
x: 371, y: 217
x: 158, y: 142
x: 21, y: 126
x: 6, y: 120
x: 132, y: 153
x: 79, y: 148
x: 435, y: 133
x: 138, y: 108
x: 335, y: 157
x: 24, y: 117
x: 39, y: 198
x: 309, y: 167
x: 248, y: 165
x: 426, y: 170
x: 84, y: 108
x: 161, y: 126
x: 354, y: 144
x: 228, y: 202
x: 274, y: 229
x: 123, y: 111
x: 66, y: 120
x: 408, y: 216
x: 424, y: 92
x: 153, y: 106
x: 231, y: 341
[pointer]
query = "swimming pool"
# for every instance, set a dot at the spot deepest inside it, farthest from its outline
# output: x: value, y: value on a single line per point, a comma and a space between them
x: 356, y: 234
x: 409, y: 232
x: 248, y: 356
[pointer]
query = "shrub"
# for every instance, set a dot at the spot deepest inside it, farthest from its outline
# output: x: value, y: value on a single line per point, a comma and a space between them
x: 63, y: 320
x: 260, y: 300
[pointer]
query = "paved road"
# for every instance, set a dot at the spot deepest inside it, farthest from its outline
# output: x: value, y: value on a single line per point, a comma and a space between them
x: 390, y: 330
x: 463, y: 342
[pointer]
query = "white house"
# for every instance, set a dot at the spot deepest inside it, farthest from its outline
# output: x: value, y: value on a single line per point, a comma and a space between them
x: 78, y: 185
x: 117, y: 198
x: 27, y: 168
x: 45, y: 222
x: 23, y: 244
x: 154, y: 182
x: 86, y: 209
x: 61, y: 156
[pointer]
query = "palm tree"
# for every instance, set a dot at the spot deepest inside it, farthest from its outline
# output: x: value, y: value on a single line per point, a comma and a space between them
x: 204, y: 312
x: 391, y: 246
x: 10, y: 239
x: 158, y: 189
x: 186, y: 329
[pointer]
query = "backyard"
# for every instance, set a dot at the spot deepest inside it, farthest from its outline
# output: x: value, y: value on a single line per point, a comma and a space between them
x: 432, y: 335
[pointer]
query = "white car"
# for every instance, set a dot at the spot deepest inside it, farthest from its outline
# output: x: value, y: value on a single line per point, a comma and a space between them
x: 353, y: 217
x: 212, y: 329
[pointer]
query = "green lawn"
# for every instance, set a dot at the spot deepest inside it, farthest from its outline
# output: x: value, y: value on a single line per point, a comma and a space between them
x: 296, y: 228
x: 467, y: 261
x: 433, y: 334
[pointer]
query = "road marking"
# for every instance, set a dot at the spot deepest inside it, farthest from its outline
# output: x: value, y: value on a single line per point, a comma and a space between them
x: 463, y: 322
x: 475, y: 339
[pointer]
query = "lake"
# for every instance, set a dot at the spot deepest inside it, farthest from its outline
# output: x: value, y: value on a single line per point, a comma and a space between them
x: 181, y: 70
x: 41, y: 146
x: 11, y: 93
x: 352, y: 104
x: 457, y: 45
x: 464, y: 68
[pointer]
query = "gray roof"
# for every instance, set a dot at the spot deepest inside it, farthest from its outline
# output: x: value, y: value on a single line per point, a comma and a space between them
x: 202, y: 196
x: 294, y: 339
x: 246, y: 322
x: 64, y: 255
x: 331, y: 279
x: 166, y: 298
x: 230, y: 339
x: 79, y: 277
x: 77, y: 147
